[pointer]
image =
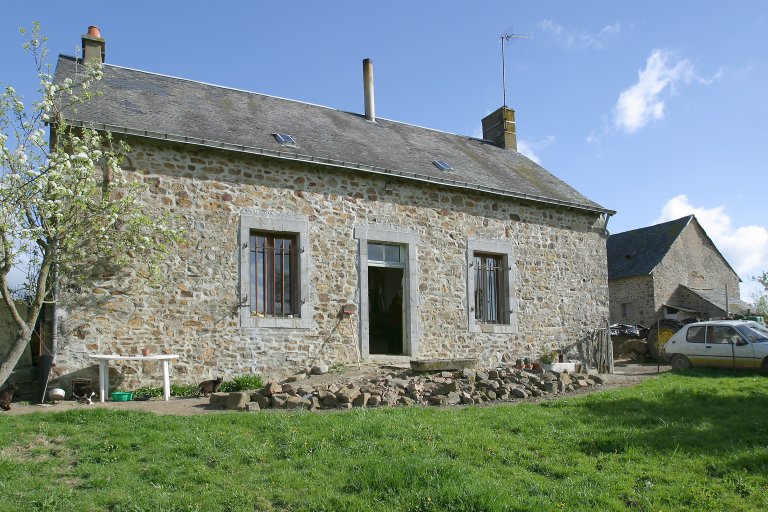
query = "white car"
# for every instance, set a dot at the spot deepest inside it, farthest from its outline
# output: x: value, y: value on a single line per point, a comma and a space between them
x: 723, y: 343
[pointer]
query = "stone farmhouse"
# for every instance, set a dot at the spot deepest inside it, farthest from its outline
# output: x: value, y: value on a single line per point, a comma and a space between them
x: 315, y: 235
x: 670, y: 271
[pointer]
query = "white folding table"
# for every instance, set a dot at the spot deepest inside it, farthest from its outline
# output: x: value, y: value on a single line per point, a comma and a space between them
x: 104, y: 360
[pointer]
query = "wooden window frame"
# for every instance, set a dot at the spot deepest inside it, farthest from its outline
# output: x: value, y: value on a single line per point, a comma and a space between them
x: 273, y: 271
x: 276, y: 224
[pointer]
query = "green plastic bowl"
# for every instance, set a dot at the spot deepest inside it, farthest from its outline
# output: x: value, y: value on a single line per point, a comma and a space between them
x: 121, y: 396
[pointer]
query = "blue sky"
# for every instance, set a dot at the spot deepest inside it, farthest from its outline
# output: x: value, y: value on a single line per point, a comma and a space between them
x: 655, y: 109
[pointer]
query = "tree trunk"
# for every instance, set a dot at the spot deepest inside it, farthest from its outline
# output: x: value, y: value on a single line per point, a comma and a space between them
x: 17, y: 350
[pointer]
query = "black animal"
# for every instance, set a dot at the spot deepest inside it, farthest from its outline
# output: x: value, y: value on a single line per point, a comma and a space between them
x: 86, y: 395
x: 6, y: 396
x: 209, y: 386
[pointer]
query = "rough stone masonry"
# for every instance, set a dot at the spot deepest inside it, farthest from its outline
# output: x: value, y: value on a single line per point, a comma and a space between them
x: 557, y: 257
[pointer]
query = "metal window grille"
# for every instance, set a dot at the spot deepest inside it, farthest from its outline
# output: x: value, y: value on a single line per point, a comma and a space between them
x: 489, y: 285
x: 274, y: 271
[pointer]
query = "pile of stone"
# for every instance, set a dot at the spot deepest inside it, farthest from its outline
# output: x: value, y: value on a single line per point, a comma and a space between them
x: 402, y: 389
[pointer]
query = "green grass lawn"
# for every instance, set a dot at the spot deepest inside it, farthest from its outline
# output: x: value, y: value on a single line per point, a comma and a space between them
x: 693, y: 441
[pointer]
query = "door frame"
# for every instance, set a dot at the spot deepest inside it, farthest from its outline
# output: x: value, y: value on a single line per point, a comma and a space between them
x: 408, y: 239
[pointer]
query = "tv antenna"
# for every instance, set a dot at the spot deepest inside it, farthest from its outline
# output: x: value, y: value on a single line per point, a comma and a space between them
x: 508, y: 37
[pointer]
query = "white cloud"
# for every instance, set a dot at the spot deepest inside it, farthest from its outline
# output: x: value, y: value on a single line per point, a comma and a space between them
x: 745, y: 247
x: 643, y: 102
x: 531, y: 148
x: 715, y: 78
x: 580, y: 39
x: 525, y: 149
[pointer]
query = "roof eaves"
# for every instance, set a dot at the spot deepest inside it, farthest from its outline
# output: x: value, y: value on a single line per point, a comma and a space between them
x: 333, y: 163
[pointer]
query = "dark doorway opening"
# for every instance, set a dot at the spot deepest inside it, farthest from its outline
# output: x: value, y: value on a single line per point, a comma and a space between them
x: 385, y: 321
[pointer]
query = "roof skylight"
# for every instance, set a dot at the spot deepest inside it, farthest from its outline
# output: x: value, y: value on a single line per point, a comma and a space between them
x: 285, y: 139
x: 442, y: 165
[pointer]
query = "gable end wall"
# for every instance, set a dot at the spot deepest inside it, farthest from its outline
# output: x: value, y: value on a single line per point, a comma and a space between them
x: 693, y: 261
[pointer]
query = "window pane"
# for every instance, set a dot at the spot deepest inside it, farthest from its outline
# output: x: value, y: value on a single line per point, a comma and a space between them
x: 261, y: 296
x: 375, y: 252
x: 279, y: 277
x: 392, y: 253
x: 287, y: 281
x: 488, y: 286
x: 273, y: 274
x: 478, y: 288
x: 695, y: 334
x: 722, y: 334
x: 252, y: 284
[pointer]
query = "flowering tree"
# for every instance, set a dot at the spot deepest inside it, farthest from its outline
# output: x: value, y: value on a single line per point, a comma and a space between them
x: 761, y: 298
x: 65, y: 203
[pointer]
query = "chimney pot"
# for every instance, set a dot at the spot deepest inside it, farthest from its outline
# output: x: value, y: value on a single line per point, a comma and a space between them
x: 94, y: 47
x: 370, y: 108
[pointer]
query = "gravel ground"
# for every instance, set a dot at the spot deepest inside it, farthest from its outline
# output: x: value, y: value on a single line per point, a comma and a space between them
x: 625, y: 374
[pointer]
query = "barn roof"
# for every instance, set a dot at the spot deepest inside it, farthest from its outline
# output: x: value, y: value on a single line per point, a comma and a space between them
x: 637, y: 252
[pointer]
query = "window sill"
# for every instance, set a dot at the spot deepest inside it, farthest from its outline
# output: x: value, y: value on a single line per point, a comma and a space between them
x: 498, y: 328
x: 276, y: 323
x: 494, y: 328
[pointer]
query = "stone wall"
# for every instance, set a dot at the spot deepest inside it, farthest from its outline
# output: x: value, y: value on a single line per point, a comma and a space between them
x: 558, y: 254
x: 633, y: 296
x: 695, y: 262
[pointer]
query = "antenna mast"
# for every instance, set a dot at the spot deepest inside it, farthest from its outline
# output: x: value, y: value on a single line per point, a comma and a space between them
x: 507, y: 37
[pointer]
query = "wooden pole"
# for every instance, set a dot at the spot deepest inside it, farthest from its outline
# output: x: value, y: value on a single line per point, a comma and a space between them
x: 658, y: 350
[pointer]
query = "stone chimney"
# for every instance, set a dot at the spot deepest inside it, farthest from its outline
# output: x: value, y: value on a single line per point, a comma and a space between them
x: 499, y: 128
x: 93, y: 46
x: 370, y: 107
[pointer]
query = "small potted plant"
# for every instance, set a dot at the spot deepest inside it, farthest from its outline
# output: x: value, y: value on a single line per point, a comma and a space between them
x: 548, y: 359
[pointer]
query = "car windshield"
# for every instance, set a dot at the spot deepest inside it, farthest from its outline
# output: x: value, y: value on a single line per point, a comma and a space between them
x: 754, y: 332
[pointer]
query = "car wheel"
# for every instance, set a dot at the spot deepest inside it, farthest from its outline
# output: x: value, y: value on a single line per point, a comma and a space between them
x: 680, y: 362
x: 764, y: 366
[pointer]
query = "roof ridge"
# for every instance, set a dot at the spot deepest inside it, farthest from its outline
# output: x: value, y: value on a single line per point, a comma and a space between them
x: 237, y: 89
x: 656, y: 226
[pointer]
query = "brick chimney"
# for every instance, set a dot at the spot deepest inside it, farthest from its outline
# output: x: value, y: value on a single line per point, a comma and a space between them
x: 93, y: 46
x: 499, y: 128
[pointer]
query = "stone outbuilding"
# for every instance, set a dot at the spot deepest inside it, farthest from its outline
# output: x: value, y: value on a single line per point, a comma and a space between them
x: 670, y: 271
x: 315, y: 235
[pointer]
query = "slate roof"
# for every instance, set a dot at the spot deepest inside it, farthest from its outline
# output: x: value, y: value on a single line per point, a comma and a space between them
x: 168, y: 108
x: 717, y: 298
x: 637, y: 252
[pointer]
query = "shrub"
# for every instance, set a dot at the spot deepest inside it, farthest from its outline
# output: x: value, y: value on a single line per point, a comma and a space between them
x: 242, y: 383
x: 148, y: 391
x: 182, y: 390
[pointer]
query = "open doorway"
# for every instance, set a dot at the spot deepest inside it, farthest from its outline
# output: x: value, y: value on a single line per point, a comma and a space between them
x: 389, y: 274
x: 385, y: 299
